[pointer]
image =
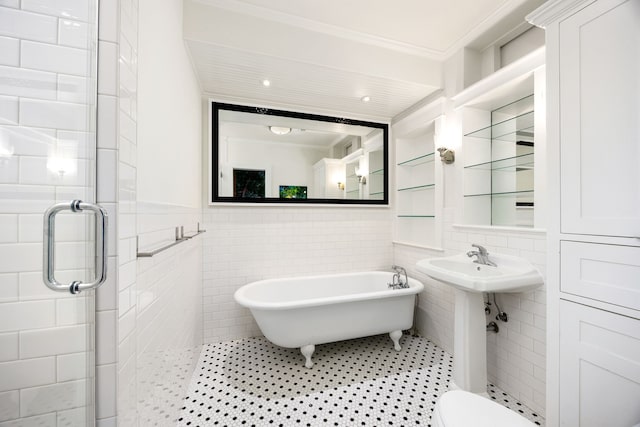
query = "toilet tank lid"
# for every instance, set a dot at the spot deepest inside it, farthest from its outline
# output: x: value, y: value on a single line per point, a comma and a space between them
x: 459, y: 408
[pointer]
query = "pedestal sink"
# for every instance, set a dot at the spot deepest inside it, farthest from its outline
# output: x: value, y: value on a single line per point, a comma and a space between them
x: 470, y: 280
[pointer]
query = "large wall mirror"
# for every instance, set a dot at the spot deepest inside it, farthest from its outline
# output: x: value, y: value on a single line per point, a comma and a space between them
x: 261, y: 155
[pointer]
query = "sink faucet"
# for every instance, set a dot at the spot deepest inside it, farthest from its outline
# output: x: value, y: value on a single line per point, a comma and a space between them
x: 397, y: 282
x: 482, y: 256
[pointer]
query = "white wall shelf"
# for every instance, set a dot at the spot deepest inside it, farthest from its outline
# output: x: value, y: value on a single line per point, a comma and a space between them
x: 499, y: 174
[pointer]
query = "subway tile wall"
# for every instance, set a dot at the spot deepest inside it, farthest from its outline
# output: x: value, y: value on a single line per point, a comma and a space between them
x: 150, y: 320
x: 516, y: 355
x: 120, y: 58
x: 46, y: 152
x: 245, y: 244
x: 168, y: 307
x: 107, y: 196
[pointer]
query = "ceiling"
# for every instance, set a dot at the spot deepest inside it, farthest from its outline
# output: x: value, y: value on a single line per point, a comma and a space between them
x: 306, y: 133
x: 324, y: 56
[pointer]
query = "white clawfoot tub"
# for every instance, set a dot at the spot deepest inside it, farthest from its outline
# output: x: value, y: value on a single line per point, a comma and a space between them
x: 306, y: 311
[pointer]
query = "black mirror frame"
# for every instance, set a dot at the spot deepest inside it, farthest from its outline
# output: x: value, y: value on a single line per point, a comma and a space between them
x: 215, y: 168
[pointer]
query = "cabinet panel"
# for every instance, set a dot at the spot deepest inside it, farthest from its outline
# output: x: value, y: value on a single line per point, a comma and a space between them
x: 608, y: 273
x: 600, y: 375
x: 600, y: 119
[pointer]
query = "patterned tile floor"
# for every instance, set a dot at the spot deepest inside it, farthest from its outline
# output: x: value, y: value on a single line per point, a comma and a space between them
x: 361, y: 382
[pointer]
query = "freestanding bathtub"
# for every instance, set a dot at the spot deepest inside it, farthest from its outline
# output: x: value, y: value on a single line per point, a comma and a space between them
x: 306, y: 311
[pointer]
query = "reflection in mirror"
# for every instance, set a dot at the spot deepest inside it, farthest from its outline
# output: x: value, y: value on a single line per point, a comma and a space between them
x: 262, y: 155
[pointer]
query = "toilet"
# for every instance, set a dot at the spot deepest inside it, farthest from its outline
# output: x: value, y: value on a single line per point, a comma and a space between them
x: 458, y: 408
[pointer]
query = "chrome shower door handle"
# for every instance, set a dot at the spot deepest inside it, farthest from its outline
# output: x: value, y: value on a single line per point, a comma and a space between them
x: 49, y: 246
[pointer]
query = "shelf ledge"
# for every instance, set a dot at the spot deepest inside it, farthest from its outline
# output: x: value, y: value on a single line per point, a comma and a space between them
x: 507, y: 193
x: 417, y: 187
x: 418, y: 160
x: 529, y: 230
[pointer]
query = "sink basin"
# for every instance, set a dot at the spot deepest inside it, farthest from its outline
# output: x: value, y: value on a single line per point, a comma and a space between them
x: 470, y: 280
x: 512, y: 274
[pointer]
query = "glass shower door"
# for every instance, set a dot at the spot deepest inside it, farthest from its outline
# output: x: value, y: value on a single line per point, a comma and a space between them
x: 48, y: 57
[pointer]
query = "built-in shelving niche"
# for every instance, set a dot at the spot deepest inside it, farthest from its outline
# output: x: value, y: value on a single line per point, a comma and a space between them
x: 499, y: 176
x: 418, y: 195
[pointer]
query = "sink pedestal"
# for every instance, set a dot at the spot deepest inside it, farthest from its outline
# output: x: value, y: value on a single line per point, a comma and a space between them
x: 469, y: 281
x: 469, y: 343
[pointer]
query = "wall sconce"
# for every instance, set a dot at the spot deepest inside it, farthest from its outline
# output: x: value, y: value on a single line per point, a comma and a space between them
x: 361, y: 174
x: 341, y: 186
x: 447, y: 156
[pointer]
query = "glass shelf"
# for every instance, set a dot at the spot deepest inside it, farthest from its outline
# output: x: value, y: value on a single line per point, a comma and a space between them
x: 513, y: 129
x: 508, y: 193
x: 416, y: 216
x: 426, y: 158
x: 377, y: 193
x: 518, y: 163
x: 377, y: 172
x: 417, y: 187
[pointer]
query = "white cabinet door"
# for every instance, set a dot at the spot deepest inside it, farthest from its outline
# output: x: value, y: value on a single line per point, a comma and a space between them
x: 600, y: 375
x: 600, y: 119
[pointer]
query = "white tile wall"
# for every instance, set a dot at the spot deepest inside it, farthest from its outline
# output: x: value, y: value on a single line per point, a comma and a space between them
x: 516, y: 355
x: 245, y: 244
x: 9, y: 408
x: 75, y: 9
x: 49, y: 342
x: 8, y: 113
x: 73, y: 33
x: 53, y: 397
x: 8, y: 347
x: 72, y: 366
x: 20, y: 374
x: 11, y: 47
x: 48, y: 420
x: 55, y: 115
x: 43, y: 111
x: 27, y: 83
x: 28, y: 26
x: 72, y: 88
x: 53, y: 58
x: 27, y: 315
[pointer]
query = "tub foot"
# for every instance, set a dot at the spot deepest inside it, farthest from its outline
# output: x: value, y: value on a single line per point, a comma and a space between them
x: 307, y: 352
x: 395, y: 337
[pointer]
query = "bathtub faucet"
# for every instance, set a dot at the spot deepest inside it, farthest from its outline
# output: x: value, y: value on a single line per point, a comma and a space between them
x: 398, y: 282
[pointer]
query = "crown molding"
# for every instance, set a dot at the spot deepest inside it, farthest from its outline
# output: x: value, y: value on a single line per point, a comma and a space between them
x: 320, y: 27
x: 555, y: 10
x: 526, y: 64
x: 366, y: 38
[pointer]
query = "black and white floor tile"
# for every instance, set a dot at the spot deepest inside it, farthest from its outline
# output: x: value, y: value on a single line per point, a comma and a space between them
x: 361, y: 382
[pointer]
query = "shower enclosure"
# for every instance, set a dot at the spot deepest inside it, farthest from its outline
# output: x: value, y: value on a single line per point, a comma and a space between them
x: 48, y: 80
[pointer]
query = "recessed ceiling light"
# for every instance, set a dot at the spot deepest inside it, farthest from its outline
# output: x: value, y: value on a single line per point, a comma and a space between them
x: 365, y: 98
x: 279, y: 130
x: 266, y: 83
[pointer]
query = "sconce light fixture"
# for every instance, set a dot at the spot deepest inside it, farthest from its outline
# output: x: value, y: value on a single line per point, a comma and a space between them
x: 361, y: 174
x: 447, y: 156
x: 341, y: 186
